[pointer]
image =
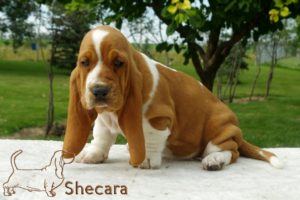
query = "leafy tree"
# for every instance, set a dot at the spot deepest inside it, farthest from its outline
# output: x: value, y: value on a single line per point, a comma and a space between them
x: 68, y: 29
x: 199, y: 23
x: 230, y: 69
x: 194, y: 20
x: 296, y: 43
x: 146, y: 31
x: 281, y: 9
x: 274, y: 42
x: 15, y: 15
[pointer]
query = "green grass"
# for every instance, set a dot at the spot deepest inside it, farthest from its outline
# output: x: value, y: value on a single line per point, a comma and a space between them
x: 24, y: 95
x: 285, y: 82
x: 271, y: 123
x: 24, y: 89
x: 291, y: 62
x: 274, y: 122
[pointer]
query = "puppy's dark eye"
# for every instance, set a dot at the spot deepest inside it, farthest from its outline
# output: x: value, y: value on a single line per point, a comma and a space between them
x: 85, y: 62
x: 117, y: 63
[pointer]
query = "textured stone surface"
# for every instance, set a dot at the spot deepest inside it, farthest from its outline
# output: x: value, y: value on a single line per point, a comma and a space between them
x: 246, y: 179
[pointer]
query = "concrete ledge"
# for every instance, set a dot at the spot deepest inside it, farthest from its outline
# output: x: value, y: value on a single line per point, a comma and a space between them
x: 246, y: 179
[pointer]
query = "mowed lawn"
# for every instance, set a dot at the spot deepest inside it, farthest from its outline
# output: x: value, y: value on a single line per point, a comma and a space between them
x: 271, y: 123
x: 24, y: 89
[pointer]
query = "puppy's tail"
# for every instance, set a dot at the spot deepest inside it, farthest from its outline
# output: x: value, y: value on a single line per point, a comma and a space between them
x: 251, y: 151
x: 13, y: 159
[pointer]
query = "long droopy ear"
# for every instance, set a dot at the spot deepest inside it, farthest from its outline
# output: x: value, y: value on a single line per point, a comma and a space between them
x: 131, y: 117
x: 79, y: 120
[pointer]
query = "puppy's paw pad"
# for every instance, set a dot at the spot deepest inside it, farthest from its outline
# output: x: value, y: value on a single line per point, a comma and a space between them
x: 214, y: 167
x: 216, y: 161
x: 91, y: 156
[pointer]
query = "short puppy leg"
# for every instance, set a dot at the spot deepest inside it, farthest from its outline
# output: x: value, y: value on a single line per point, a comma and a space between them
x: 48, y: 190
x: 155, y: 141
x: 221, y: 151
x: 7, y: 191
x: 99, y: 148
x: 12, y: 190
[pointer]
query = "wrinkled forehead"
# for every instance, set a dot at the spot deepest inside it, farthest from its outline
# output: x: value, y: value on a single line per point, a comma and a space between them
x: 102, y: 40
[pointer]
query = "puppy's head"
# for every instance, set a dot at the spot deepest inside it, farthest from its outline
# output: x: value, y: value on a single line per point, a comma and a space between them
x: 102, y: 64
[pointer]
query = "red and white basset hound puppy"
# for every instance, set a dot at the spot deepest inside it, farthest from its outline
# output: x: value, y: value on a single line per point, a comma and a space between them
x: 160, y: 111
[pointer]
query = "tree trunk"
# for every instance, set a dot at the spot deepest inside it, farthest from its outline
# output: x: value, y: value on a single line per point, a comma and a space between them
x: 208, y: 75
x: 207, y: 62
x: 235, y: 84
x: 50, y: 101
x: 232, y: 77
x: 272, y: 65
x: 219, y: 87
x: 258, y: 64
x: 50, y: 115
x: 239, y: 53
x: 255, y: 81
x: 209, y: 78
x: 269, y: 81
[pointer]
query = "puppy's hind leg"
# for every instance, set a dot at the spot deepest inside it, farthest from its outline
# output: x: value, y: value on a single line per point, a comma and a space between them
x: 12, y: 190
x: 222, y: 150
x: 7, y: 191
x: 49, y: 189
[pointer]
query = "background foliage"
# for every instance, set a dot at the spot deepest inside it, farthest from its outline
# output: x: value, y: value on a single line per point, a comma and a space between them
x: 239, y: 50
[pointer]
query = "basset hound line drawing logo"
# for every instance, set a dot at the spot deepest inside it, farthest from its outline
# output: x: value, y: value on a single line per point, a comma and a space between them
x: 49, y: 177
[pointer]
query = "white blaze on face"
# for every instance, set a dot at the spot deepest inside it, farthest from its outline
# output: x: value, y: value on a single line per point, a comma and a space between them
x: 93, y: 76
x: 98, y: 36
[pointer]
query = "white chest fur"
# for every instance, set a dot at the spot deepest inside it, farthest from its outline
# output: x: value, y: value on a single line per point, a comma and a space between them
x: 110, y: 121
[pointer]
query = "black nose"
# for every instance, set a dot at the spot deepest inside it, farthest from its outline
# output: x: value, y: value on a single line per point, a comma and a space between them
x: 100, y: 92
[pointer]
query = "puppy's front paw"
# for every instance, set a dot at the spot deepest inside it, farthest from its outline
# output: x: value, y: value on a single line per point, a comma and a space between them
x: 152, y: 162
x: 216, y: 160
x: 91, y: 156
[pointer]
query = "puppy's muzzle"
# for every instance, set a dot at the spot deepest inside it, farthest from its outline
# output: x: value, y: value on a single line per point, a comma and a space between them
x: 100, y: 92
